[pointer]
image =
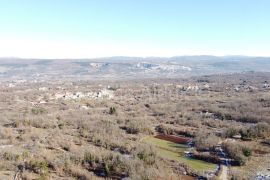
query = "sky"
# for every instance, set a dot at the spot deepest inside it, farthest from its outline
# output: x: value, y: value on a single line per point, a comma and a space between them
x: 102, y: 28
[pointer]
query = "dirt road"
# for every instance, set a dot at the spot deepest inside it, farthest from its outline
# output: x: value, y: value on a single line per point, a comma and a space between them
x: 224, y: 173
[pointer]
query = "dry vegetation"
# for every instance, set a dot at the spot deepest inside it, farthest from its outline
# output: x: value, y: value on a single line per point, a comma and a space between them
x: 43, y: 137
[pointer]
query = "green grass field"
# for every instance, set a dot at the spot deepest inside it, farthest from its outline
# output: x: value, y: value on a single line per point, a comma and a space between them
x: 173, y: 151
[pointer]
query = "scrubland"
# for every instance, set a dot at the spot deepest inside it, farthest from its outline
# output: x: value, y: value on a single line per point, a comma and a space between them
x: 45, y: 135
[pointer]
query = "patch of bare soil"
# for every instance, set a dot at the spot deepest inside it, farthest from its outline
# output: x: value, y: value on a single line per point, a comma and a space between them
x: 174, y: 139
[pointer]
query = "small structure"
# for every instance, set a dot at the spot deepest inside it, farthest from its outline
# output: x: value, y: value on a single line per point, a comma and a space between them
x: 190, y: 144
x: 262, y: 176
x: 193, y: 88
x: 188, y: 153
x: 205, y: 87
x: 11, y: 85
x: 237, y: 89
x: 43, y: 89
x: 251, y: 88
x: 237, y: 136
x: 266, y: 85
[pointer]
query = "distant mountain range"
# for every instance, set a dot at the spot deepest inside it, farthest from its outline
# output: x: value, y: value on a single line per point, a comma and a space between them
x: 16, y: 69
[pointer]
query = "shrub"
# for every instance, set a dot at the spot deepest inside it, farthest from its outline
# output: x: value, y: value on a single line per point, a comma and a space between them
x: 164, y: 129
x: 79, y: 173
x: 37, y: 111
x: 247, y: 151
x: 114, y: 164
x: 112, y: 110
x: 260, y: 130
x: 205, y: 141
x: 37, y: 166
x: 237, y: 152
x: 10, y: 156
x: 136, y: 126
x: 90, y: 158
x: 110, y: 163
x: 230, y: 132
x: 146, y: 153
x: 207, y: 157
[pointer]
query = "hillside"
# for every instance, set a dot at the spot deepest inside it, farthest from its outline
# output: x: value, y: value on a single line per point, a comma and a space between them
x: 15, y: 69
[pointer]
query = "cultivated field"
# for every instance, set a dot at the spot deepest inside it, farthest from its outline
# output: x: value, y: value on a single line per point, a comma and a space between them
x: 175, y: 151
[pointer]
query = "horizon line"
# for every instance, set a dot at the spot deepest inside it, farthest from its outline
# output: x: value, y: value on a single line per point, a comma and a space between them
x: 123, y: 56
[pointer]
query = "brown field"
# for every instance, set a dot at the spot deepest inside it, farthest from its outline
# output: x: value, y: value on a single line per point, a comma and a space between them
x: 175, y: 139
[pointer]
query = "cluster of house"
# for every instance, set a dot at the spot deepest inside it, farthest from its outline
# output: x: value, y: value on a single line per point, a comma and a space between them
x: 244, y: 86
x: 194, y: 88
x: 247, y: 88
x: 262, y: 176
x: 102, y: 94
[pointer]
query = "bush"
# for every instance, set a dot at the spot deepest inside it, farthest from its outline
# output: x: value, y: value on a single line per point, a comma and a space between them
x: 205, y: 141
x: 114, y: 164
x: 37, y: 111
x: 10, y: 156
x: 207, y: 157
x: 247, y: 151
x: 146, y: 153
x: 230, y: 132
x: 110, y: 163
x: 164, y: 130
x: 112, y: 110
x: 237, y: 152
x: 90, y: 158
x: 260, y: 130
x: 136, y: 126
x: 37, y: 166
x: 79, y: 173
